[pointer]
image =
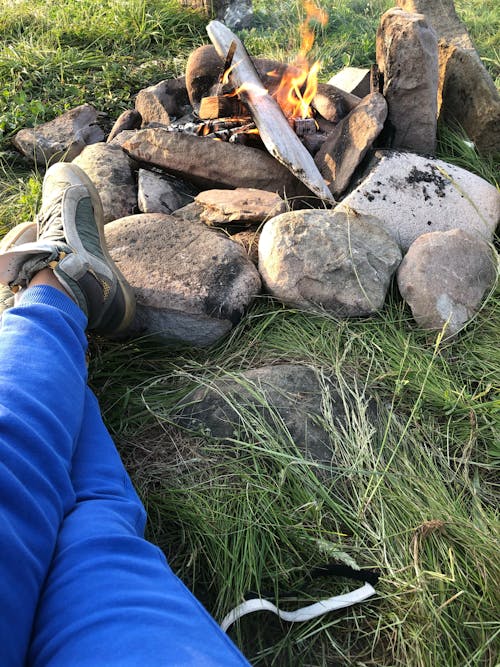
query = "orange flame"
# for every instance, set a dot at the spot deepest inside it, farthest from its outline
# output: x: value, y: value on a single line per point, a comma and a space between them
x: 299, y: 83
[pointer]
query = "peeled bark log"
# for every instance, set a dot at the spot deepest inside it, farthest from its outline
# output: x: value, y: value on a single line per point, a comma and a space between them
x: 276, y: 134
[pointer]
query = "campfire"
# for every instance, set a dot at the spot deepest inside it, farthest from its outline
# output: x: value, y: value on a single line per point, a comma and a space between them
x: 241, y: 109
x: 299, y: 83
x: 294, y: 87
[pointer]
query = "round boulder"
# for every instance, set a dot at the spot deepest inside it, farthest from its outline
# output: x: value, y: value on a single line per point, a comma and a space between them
x: 445, y: 276
x: 336, y: 260
x: 192, y: 283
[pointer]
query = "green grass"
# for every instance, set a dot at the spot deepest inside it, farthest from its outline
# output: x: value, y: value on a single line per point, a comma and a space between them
x: 414, y: 497
x: 483, y: 24
x: 347, y: 39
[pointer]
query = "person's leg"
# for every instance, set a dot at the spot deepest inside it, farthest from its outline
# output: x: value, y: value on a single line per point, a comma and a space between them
x: 42, y: 383
x: 110, y: 597
x: 42, y: 387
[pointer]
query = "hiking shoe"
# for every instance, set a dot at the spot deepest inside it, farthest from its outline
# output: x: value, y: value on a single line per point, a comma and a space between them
x: 23, y: 233
x: 71, y: 243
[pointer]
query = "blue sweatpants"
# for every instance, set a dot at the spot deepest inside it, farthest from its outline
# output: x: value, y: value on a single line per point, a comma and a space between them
x: 79, y: 584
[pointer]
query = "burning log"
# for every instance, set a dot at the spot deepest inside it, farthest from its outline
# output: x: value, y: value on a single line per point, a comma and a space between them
x: 275, y: 131
x: 221, y: 106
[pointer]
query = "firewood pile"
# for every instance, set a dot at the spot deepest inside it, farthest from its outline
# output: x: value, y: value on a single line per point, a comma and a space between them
x: 277, y: 116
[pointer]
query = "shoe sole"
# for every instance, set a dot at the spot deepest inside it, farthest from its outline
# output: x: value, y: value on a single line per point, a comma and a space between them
x: 25, y: 232
x: 127, y: 292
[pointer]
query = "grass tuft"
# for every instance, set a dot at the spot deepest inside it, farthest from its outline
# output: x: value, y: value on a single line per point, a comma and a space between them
x: 414, y: 497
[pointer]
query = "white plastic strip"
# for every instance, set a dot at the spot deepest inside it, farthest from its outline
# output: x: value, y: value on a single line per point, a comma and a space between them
x: 302, y: 614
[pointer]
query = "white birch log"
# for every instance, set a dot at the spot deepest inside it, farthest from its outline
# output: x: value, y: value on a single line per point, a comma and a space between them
x: 275, y: 132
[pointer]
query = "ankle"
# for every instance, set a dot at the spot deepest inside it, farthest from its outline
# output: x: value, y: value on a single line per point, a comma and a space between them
x: 47, y: 277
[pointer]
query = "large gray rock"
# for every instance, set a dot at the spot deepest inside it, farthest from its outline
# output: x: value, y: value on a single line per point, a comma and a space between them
x: 407, y: 56
x: 445, y: 276
x: 111, y: 171
x: 337, y: 260
x: 412, y: 195
x: 349, y: 142
x: 163, y: 101
x: 209, y: 163
x: 159, y: 194
x: 63, y: 138
x: 292, y: 399
x: 192, y: 283
x: 467, y: 94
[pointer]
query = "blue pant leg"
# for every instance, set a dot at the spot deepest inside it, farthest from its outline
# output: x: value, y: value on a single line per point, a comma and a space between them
x: 110, y: 598
x: 42, y: 383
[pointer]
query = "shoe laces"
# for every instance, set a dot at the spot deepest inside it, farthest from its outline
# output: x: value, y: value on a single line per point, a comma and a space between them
x: 49, y: 221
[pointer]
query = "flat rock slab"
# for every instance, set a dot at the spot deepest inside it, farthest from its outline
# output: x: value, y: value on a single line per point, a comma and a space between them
x: 209, y: 163
x: 239, y: 205
x: 335, y: 260
x: 287, y: 394
x: 111, y: 171
x: 355, y: 80
x: 407, y: 56
x: 467, y: 94
x: 412, y: 195
x: 63, y: 138
x: 346, y: 146
x: 445, y: 276
x: 191, y: 282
